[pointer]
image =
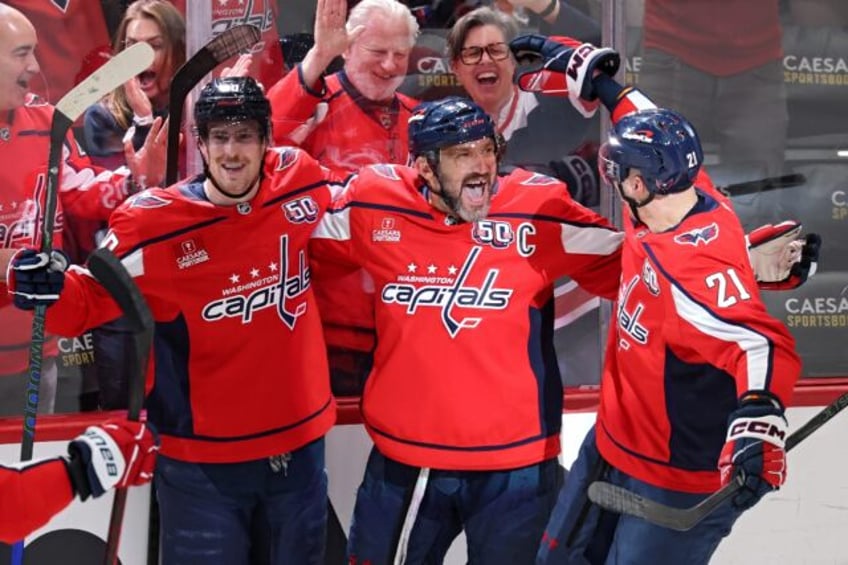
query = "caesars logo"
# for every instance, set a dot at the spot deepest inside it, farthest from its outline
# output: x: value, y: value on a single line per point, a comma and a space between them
x: 76, y: 351
x: 632, y: 67
x: 818, y: 311
x: 434, y: 72
x: 829, y: 71
x: 839, y: 200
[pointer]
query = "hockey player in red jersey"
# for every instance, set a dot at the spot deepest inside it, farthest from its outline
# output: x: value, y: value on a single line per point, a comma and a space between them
x: 697, y: 374
x: 240, y: 394
x: 465, y: 398
x: 117, y: 453
x: 87, y: 191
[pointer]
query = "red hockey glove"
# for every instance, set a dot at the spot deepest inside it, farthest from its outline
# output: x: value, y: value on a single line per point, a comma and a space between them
x: 754, y: 453
x: 781, y: 259
x: 36, y: 279
x: 564, y: 56
x: 117, y: 454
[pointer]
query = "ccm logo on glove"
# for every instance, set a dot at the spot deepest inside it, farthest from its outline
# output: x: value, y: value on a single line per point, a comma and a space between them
x: 769, y: 429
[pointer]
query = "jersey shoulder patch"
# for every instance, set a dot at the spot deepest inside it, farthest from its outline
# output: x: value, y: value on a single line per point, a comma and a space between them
x: 700, y: 235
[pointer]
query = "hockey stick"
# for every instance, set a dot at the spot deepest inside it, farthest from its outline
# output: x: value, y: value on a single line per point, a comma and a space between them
x: 112, y: 274
x: 763, y: 185
x: 118, y: 70
x: 623, y: 501
x: 113, y: 74
x: 219, y: 49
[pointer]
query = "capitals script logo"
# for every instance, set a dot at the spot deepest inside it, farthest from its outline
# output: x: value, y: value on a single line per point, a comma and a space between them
x: 628, y: 319
x: 281, y: 293
x: 451, y: 295
x: 697, y: 236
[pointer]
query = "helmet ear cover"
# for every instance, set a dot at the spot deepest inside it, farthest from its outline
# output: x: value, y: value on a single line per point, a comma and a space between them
x: 232, y: 99
x: 660, y: 143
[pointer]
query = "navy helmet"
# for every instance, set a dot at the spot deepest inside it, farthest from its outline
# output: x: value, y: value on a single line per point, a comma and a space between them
x: 232, y: 99
x: 450, y: 121
x: 660, y: 143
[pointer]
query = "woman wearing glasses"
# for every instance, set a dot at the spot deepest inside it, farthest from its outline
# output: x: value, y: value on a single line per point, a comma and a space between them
x: 541, y: 135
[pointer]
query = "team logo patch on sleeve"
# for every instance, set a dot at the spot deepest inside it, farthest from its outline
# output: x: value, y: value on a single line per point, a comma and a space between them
x: 698, y: 235
x: 539, y: 179
x: 147, y: 200
x: 385, y: 171
x: 286, y: 157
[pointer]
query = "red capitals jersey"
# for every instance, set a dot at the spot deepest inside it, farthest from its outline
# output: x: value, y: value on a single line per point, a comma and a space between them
x: 240, y: 363
x: 32, y: 493
x: 85, y: 191
x: 465, y: 375
x: 72, y: 42
x: 267, y: 66
x: 690, y: 336
x: 721, y: 38
x: 351, y: 132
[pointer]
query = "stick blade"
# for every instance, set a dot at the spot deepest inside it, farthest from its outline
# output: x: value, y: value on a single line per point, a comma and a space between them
x: 617, y: 499
x: 115, y: 72
x: 233, y: 41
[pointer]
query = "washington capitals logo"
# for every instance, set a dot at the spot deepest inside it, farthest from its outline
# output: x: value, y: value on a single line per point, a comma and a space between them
x: 286, y: 157
x: 278, y: 291
x: 643, y: 135
x: 697, y: 236
x: 539, y: 180
x: 385, y: 171
x: 147, y: 200
x: 452, y: 295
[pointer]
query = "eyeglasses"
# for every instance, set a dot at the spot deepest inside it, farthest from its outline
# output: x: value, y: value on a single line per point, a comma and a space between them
x: 473, y: 55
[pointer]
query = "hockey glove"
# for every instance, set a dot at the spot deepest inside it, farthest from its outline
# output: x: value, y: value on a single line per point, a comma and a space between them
x: 564, y: 64
x: 781, y: 259
x: 754, y: 453
x: 36, y: 278
x: 117, y: 454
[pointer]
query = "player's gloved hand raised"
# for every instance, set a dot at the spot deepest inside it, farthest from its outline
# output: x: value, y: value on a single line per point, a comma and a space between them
x: 36, y: 278
x: 754, y: 453
x: 781, y: 258
x: 118, y: 453
x: 563, y: 64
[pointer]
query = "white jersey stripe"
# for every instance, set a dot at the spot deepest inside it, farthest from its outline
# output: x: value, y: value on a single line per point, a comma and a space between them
x: 756, y: 347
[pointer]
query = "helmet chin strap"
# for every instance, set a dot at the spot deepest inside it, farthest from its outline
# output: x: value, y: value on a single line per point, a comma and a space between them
x: 632, y: 202
x: 218, y: 187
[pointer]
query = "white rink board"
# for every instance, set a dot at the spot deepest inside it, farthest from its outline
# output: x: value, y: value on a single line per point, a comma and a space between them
x: 806, y: 523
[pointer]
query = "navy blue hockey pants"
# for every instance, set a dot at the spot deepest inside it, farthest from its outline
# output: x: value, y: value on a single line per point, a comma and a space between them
x: 580, y: 533
x: 503, y: 513
x: 266, y: 511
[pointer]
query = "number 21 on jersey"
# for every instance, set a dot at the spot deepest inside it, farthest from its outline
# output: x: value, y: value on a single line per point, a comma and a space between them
x: 729, y: 288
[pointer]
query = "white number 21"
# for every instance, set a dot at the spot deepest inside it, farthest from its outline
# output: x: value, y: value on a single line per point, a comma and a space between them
x: 728, y: 295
